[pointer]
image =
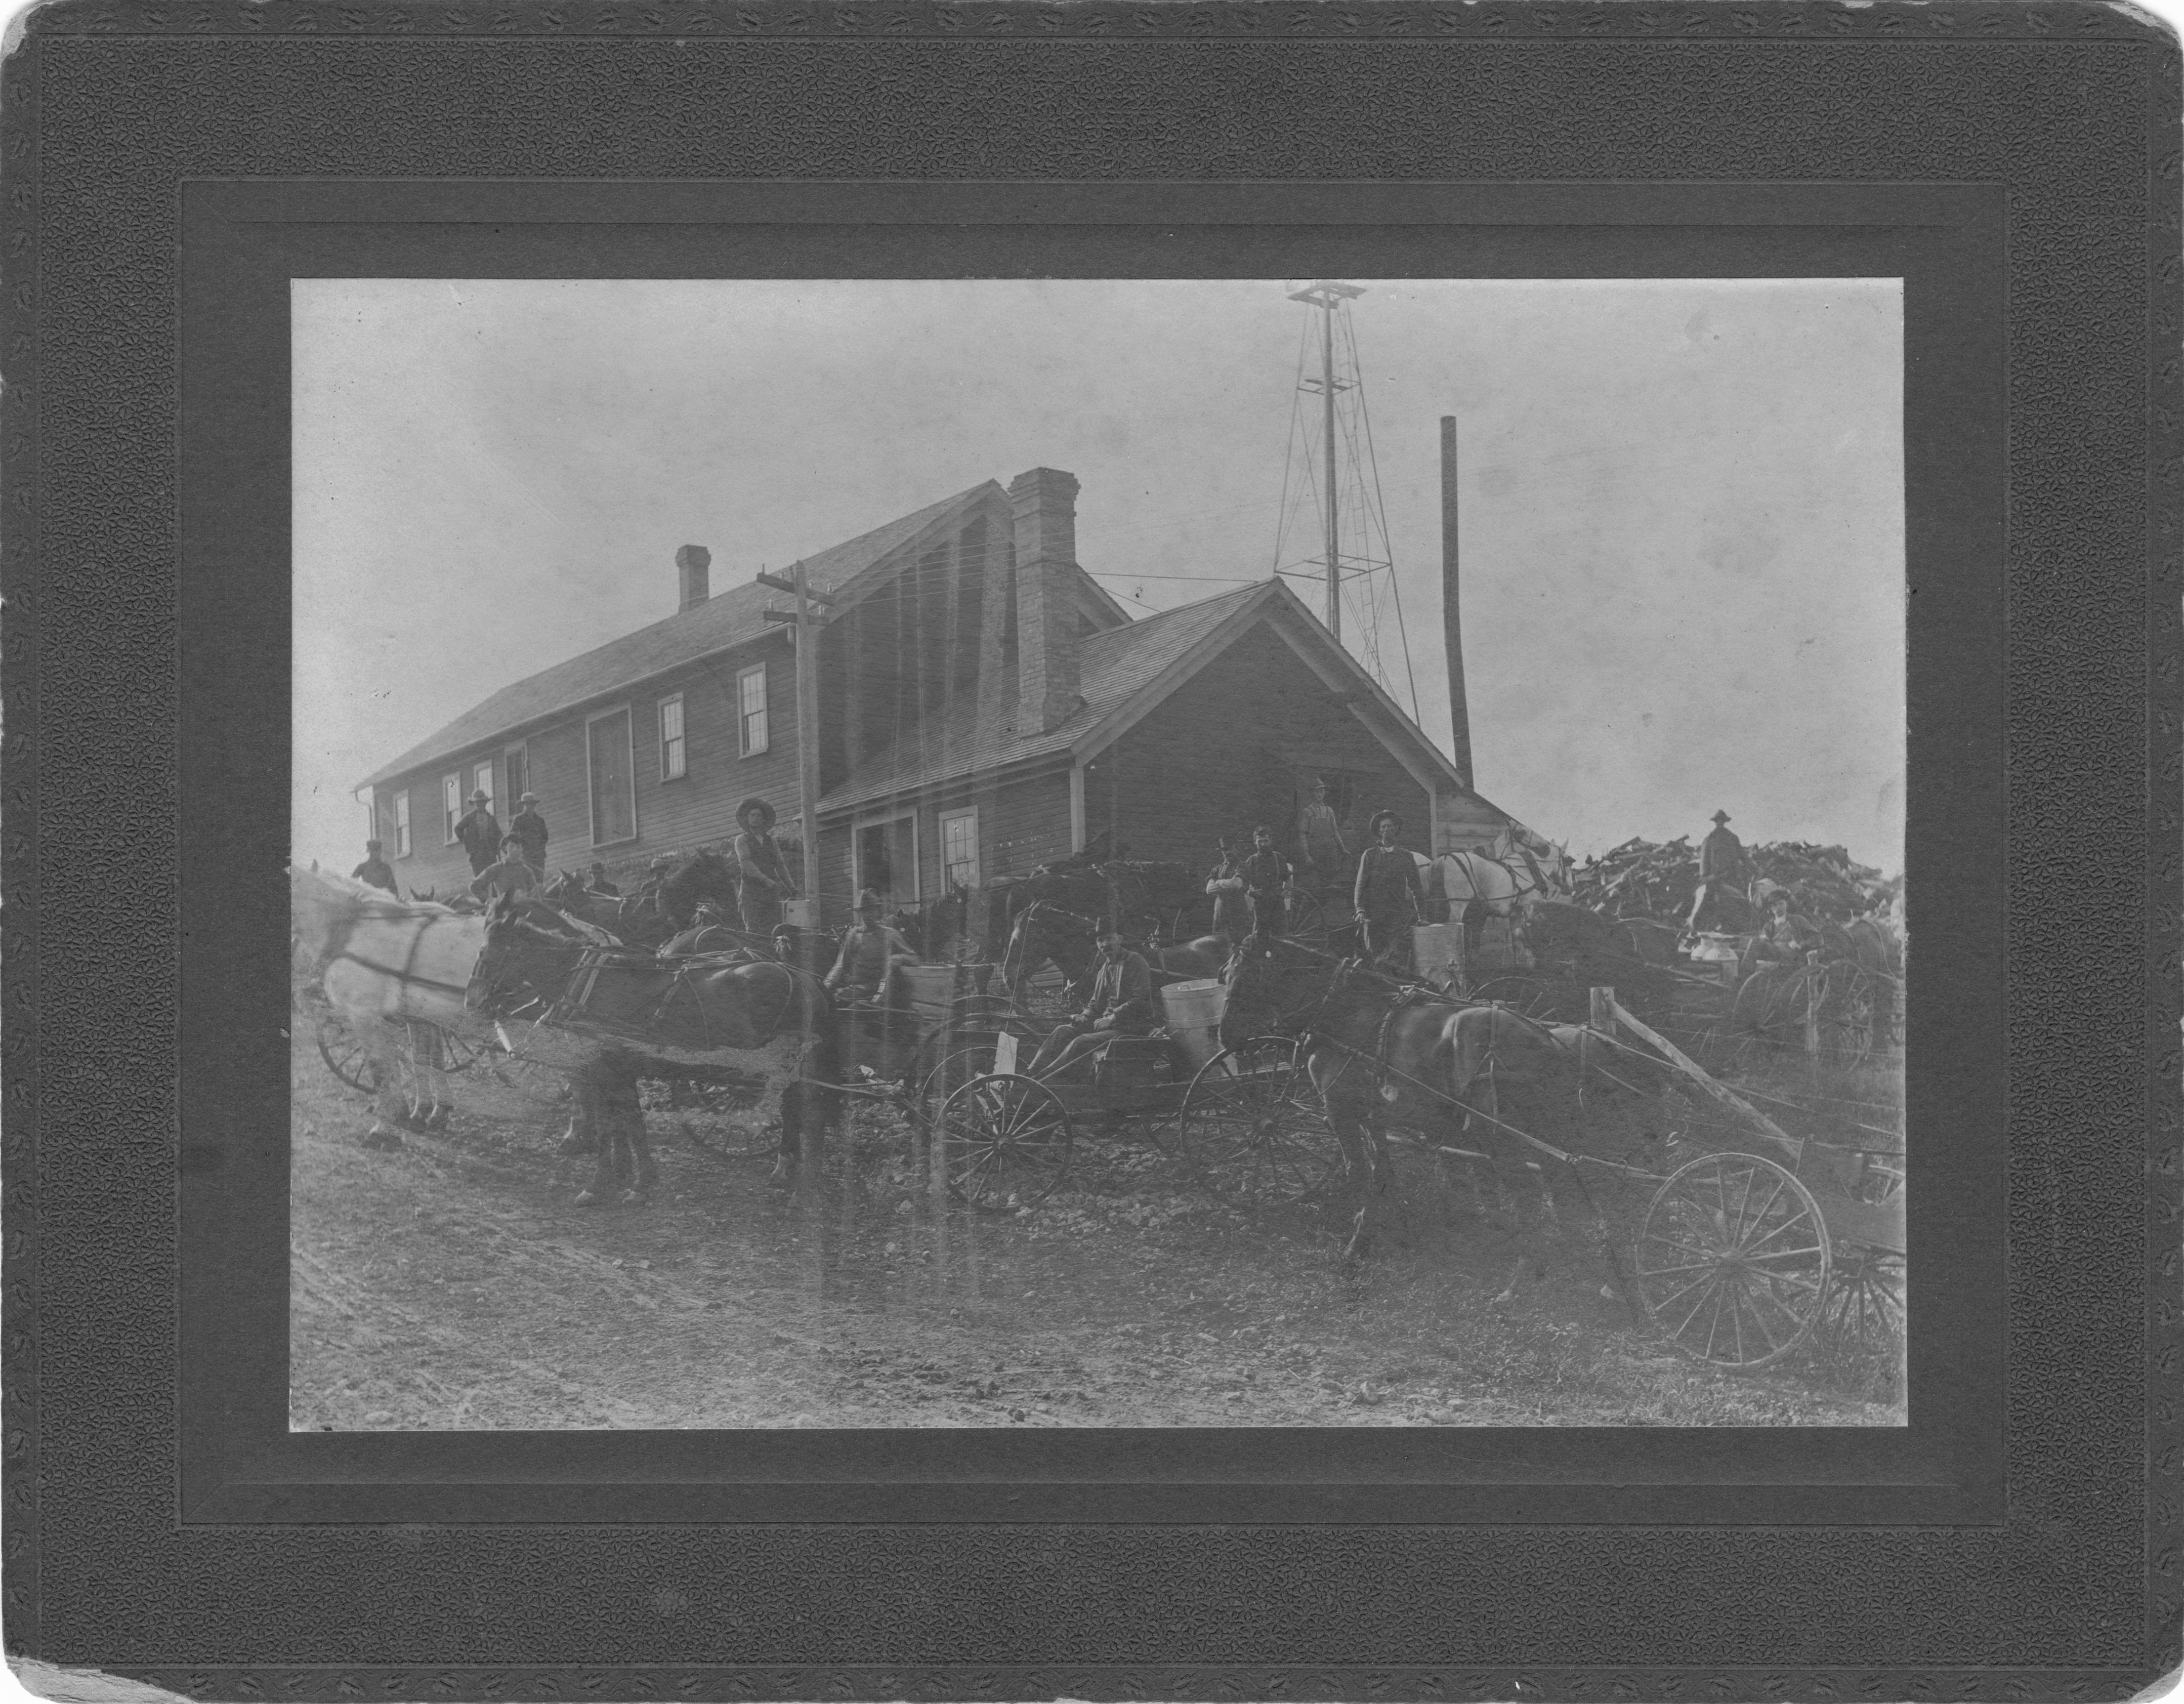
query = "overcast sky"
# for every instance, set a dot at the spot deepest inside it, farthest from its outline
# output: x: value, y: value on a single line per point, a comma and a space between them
x: 1681, y: 501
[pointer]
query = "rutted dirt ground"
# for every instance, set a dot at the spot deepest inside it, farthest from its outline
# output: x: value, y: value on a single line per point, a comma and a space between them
x: 454, y: 1285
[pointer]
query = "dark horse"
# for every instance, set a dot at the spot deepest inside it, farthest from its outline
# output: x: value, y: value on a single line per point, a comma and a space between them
x: 613, y: 1017
x: 641, y: 920
x: 1045, y: 933
x: 1381, y: 1054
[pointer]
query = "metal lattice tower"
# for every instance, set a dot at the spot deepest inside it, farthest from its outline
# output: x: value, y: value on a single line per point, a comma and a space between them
x: 1333, y: 477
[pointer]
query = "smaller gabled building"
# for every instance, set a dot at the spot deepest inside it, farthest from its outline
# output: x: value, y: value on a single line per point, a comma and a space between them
x: 985, y: 708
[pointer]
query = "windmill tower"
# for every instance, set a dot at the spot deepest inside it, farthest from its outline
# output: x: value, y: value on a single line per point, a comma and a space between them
x: 1333, y: 527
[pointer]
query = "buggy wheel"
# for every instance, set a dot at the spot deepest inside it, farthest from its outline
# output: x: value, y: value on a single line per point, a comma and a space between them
x: 345, y: 1054
x: 944, y: 1065
x: 460, y: 1053
x: 513, y: 1068
x: 1252, y: 1127
x: 1305, y: 923
x: 1862, y: 1315
x: 1732, y: 1262
x: 1003, y: 1142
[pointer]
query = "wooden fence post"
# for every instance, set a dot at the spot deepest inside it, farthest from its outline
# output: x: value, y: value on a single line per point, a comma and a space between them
x: 1813, y: 1006
x: 1603, y: 1010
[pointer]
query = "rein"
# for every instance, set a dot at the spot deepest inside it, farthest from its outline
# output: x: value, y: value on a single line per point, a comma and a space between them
x: 404, y: 974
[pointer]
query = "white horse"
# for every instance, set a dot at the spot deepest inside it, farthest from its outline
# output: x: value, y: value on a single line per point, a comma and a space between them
x: 396, y: 973
x: 1503, y: 876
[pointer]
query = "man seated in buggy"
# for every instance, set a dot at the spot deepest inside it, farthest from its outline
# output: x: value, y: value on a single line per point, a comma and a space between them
x: 1122, y: 1004
x: 864, y: 971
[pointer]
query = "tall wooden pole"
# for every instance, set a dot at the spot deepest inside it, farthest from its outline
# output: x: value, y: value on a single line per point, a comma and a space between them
x: 1452, y: 606
x: 1326, y: 391
x: 807, y: 738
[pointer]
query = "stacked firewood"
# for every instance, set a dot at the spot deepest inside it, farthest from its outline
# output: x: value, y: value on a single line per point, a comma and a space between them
x: 1658, y: 880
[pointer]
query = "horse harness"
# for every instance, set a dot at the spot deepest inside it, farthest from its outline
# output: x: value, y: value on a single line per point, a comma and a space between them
x: 405, y: 974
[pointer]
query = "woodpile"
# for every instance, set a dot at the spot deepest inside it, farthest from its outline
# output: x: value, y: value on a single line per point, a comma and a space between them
x: 1658, y: 880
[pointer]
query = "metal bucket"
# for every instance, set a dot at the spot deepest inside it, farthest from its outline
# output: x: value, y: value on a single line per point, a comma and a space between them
x: 1193, y: 1010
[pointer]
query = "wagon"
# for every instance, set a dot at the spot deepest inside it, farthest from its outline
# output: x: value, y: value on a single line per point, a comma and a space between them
x: 1243, y: 1121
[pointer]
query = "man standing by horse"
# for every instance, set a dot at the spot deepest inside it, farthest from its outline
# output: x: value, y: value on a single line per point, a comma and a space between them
x: 513, y: 874
x: 480, y: 832
x: 375, y: 869
x: 597, y: 882
x: 1122, y: 1004
x: 1266, y: 878
x: 1722, y: 864
x: 865, y: 970
x: 1388, y: 895
x: 761, y: 874
x: 528, y: 830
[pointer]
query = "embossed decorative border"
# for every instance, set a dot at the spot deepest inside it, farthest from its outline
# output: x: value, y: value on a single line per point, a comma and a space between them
x: 27, y: 669
x: 1146, y: 20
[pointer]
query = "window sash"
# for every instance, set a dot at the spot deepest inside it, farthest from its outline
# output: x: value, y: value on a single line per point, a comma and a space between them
x: 751, y: 710
x: 451, y: 800
x: 959, y: 847
x: 402, y: 825
x: 672, y: 760
x: 482, y: 779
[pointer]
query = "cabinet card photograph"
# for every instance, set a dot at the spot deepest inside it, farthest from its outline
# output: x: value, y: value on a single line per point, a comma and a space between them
x: 1098, y: 853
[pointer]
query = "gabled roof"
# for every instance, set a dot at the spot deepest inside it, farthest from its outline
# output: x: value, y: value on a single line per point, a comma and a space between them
x: 1122, y: 675
x: 1113, y: 668
x: 734, y: 617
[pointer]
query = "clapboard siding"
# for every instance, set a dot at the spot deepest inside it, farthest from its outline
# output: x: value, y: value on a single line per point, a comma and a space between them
x: 673, y: 817
x: 1222, y: 754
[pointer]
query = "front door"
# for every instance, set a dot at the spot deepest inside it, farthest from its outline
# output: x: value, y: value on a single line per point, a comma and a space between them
x: 886, y: 860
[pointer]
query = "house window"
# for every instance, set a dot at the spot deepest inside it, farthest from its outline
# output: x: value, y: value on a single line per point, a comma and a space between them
x: 887, y: 859
x: 671, y: 738
x: 402, y: 824
x: 451, y: 804
x: 751, y: 709
x: 613, y: 776
x: 482, y: 779
x: 959, y: 847
x: 518, y: 759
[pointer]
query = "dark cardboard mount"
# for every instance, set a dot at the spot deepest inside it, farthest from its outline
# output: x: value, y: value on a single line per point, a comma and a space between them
x: 168, y: 171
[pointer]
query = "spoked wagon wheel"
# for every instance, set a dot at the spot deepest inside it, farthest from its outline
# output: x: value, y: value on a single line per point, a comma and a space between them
x: 345, y: 1054
x: 1863, y: 1312
x: 1003, y: 1142
x: 460, y: 1053
x: 1305, y: 923
x: 943, y: 1065
x: 1732, y: 1262
x: 1252, y: 1126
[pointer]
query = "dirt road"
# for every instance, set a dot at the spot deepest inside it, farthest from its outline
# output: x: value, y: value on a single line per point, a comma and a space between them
x: 454, y: 1285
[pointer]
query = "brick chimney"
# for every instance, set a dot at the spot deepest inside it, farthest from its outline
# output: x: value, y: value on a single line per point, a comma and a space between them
x: 1044, y: 504
x: 691, y: 563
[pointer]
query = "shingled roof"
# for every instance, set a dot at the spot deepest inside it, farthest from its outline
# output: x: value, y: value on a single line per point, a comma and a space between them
x: 1114, y: 668
x: 733, y: 618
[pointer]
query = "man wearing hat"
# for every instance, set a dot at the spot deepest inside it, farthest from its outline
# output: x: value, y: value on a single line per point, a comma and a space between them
x: 529, y: 829
x: 1323, y: 854
x: 865, y: 970
x: 596, y: 882
x: 761, y: 873
x: 480, y: 832
x: 375, y: 869
x: 1389, y: 896
x: 649, y: 898
x: 1122, y: 1004
x: 1722, y: 863
x: 513, y: 874
x: 1784, y: 937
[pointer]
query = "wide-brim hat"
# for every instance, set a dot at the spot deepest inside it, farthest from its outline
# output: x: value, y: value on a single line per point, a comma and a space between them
x: 756, y: 804
x: 868, y: 900
x: 663, y: 862
x: 528, y: 798
x: 1380, y: 816
x: 481, y: 797
x: 371, y: 845
x: 1721, y: 816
